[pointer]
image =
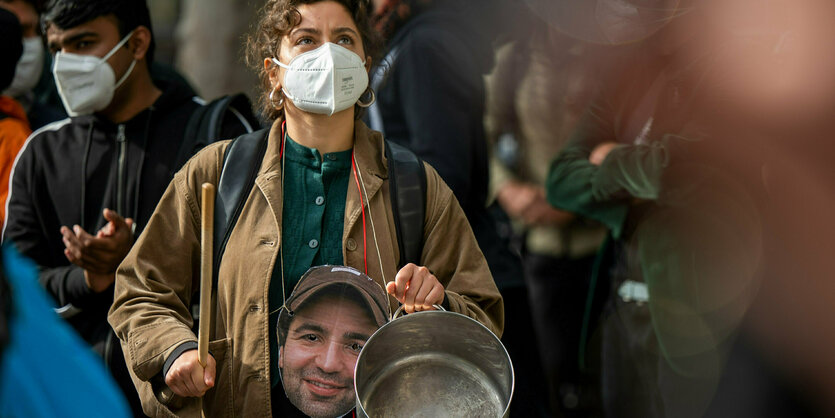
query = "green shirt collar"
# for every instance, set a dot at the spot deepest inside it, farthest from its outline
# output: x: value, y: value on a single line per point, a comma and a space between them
x: 312, y: 158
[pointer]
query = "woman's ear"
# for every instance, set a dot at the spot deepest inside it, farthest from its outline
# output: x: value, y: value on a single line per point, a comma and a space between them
x: 272, y: 71
x: 139, y: 42
x: 368, y: 63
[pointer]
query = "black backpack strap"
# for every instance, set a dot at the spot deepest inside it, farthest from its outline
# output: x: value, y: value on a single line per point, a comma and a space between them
x: 241, y: 163
x: 211, y: 122
x: 242, y: 160
x: 407, y: 183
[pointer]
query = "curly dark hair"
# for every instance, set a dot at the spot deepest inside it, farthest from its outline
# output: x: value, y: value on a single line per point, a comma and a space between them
x: 276, y: 19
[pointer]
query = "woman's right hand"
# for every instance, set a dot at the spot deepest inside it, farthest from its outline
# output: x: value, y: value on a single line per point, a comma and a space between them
x: 187, y: 377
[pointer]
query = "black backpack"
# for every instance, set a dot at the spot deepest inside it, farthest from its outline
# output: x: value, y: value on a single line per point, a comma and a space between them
x: 223, y: 118
x: 242, y: 160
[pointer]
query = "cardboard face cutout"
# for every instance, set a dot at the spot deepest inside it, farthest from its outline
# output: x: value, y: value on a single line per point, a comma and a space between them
x: 321, y: 330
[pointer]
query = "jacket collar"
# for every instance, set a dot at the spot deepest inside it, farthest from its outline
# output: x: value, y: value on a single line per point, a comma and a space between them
x: 368, y: 150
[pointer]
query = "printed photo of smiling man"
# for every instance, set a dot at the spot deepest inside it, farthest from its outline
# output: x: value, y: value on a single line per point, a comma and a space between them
x: 321, y: 330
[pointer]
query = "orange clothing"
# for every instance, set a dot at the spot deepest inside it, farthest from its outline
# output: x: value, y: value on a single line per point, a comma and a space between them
x: 14, y: 129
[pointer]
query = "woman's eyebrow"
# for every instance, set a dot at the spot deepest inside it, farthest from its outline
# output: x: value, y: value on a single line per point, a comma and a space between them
x: 312, y: 31
x: 344, y: 30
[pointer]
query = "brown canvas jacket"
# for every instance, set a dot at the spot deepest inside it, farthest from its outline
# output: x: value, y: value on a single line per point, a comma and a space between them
x: 155, y: 282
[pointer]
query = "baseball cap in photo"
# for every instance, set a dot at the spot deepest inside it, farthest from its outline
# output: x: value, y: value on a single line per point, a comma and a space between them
x: 320, y: 278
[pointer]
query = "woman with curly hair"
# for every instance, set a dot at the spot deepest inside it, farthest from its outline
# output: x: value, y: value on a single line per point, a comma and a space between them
x: 323, y: 174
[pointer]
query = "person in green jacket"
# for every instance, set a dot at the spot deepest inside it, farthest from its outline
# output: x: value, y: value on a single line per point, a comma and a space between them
x: 684, y: 233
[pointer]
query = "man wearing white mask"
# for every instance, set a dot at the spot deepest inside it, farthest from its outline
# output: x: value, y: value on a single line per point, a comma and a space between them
x: 30, y: 64
x: 84, y: 187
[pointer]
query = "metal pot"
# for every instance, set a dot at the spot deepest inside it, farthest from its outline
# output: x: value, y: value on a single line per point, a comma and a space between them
x: 433, y: 364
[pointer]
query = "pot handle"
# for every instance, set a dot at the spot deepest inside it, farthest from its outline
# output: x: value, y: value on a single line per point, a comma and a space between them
x: 400, y: 310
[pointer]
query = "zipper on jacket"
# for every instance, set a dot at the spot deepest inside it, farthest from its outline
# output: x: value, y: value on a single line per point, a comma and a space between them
x: 120, y: 177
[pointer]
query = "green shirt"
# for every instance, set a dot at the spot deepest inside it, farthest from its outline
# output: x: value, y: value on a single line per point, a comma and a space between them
x: 315, y: 188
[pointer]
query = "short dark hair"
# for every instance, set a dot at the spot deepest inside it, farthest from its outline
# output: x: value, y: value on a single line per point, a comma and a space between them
x: 11, y: 46
x: 129, y: 14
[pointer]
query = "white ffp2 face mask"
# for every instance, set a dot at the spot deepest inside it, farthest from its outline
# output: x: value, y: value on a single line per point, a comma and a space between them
x: 86, y: 83
x: 326, y: 80
x: 29, y: 67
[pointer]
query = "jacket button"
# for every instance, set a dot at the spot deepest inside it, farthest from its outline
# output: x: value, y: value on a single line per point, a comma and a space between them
x: 313, y: 243
x: 320, y: 200
x: 351, y: 244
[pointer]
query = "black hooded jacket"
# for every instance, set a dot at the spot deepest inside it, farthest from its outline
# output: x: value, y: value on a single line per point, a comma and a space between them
x: 70, y: 170
x: 431, y: 98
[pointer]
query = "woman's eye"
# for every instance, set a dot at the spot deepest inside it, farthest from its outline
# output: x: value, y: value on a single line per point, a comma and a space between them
x: 304, y: 41
x: 345, y: 40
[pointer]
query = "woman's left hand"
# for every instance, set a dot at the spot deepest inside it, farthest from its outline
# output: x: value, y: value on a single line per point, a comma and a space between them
x: 416, y: 288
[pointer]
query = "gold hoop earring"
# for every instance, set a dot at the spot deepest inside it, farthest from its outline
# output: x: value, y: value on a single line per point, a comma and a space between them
x: 370, y: 102
x: 280, y: 104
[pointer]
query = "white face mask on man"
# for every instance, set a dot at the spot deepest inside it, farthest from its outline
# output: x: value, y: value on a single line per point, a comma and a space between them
x: 86, y: 83
x: 326, y: 80
x: 29, y: 68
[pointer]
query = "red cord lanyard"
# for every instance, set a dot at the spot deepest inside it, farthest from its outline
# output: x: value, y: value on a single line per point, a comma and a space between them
x: 283, y: 139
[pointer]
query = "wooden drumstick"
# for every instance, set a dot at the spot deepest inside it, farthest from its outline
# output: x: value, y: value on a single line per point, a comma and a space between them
x: 206, y: 252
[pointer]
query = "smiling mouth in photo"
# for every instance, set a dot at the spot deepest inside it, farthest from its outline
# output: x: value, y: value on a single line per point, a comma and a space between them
x: 324, y: 388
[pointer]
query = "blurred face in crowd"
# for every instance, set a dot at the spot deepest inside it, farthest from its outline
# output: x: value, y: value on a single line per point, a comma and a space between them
x: 26, y: 13
x: 318, y: 357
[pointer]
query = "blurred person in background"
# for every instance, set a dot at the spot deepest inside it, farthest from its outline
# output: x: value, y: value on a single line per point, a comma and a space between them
x: 639, y: 163
x: 672, y: 160
x: 33, y: 85
x: 14, y: 126
x: 431, y: 99
x: 124, y: 139
x: 781, y: 92
x: 535, y: 95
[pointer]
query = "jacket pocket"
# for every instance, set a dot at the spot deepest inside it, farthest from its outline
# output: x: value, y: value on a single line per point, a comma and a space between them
x: 219, y: 401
